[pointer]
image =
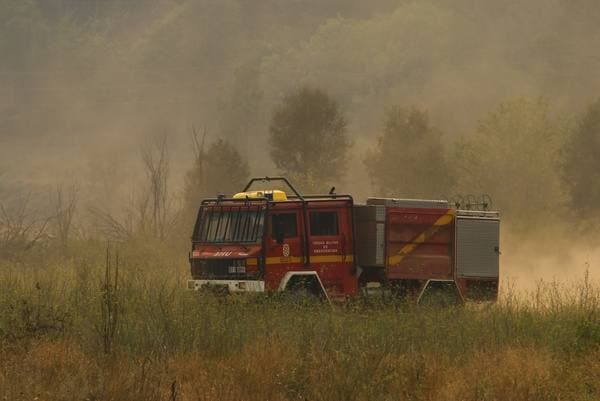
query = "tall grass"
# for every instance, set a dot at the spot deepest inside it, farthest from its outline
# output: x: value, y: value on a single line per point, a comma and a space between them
x: 171, y: 344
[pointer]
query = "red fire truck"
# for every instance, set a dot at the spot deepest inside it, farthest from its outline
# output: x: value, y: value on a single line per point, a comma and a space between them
x: 272, y: 240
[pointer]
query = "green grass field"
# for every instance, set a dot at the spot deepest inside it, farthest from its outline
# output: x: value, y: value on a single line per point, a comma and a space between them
x: 63, y: 337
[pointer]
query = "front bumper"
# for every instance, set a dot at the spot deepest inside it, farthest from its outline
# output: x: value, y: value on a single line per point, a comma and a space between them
x: 231, y: 285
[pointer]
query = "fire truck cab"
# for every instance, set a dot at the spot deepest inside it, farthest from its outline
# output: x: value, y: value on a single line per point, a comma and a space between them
x: 271, y: 240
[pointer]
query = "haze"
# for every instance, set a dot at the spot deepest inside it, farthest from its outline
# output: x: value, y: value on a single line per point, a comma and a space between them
x: 82, y: 83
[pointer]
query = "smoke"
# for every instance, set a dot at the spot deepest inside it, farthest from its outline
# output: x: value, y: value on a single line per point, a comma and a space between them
x: 556, y: 253
x: 83, y: 83
x: 81, y: 73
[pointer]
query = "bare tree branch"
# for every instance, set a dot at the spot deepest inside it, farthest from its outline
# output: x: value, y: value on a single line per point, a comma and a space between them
x: 109, y: 226
x: 21, y: 228
x: 65, y: 207
x: 155, y: 156
x: 197, y: 143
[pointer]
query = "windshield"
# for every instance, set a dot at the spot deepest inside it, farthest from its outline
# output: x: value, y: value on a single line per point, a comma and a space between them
x: 221, y: 226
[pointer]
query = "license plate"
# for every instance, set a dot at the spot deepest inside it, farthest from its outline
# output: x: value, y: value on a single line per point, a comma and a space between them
x: 237, y: 269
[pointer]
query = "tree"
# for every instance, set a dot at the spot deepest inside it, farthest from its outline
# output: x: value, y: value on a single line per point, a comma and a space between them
x: 220, y: 169
x: 22, y: 226
x: 308, y: 139
x: 241, y: 113
x: 515, y: 158
x: 64, y: 214
x: 155, y: 156
x: 581, y: 169
x: 150, y: 214
x: 409, y: 159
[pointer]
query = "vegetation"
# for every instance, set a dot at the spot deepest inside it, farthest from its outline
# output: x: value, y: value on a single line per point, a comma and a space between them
x: 410, y: 159
x: 84, y: 82
x: 308, y: 139
x: 74, y: 86
x: 171, y: 344
x: 582, y: 166
x: 515, y: 156
x: 219, y: 169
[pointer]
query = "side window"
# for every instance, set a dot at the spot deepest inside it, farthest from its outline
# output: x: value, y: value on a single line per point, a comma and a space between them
x: 284, y: 225
x: 323, y: 223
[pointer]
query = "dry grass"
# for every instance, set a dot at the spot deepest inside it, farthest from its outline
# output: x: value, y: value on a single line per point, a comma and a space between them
x: 270, y: 370
x: 171, y: 344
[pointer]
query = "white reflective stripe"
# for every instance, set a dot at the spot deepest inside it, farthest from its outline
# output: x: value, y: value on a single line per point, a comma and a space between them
x: 233, y: 285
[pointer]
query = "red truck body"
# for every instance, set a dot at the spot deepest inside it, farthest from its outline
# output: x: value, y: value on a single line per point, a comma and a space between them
x: 331, y: 245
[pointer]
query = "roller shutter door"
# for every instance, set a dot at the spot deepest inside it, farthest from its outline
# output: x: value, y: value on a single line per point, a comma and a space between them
x: 477, y: 247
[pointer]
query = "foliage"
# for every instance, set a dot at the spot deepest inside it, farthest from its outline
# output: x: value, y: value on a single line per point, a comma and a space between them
x: 220, y: 169
x: 308, y: 139
x: 409, y: 159
x: 515, y: 158
x: 103, y: 67
x: 582, y: 165
x: 170, y: 343
x: 241, y: 112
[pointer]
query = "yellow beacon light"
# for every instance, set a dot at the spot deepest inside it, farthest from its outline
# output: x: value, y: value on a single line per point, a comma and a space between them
x: 271, y: 194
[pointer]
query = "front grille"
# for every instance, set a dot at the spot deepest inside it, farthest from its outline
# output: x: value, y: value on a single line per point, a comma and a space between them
x: 222, y: 269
